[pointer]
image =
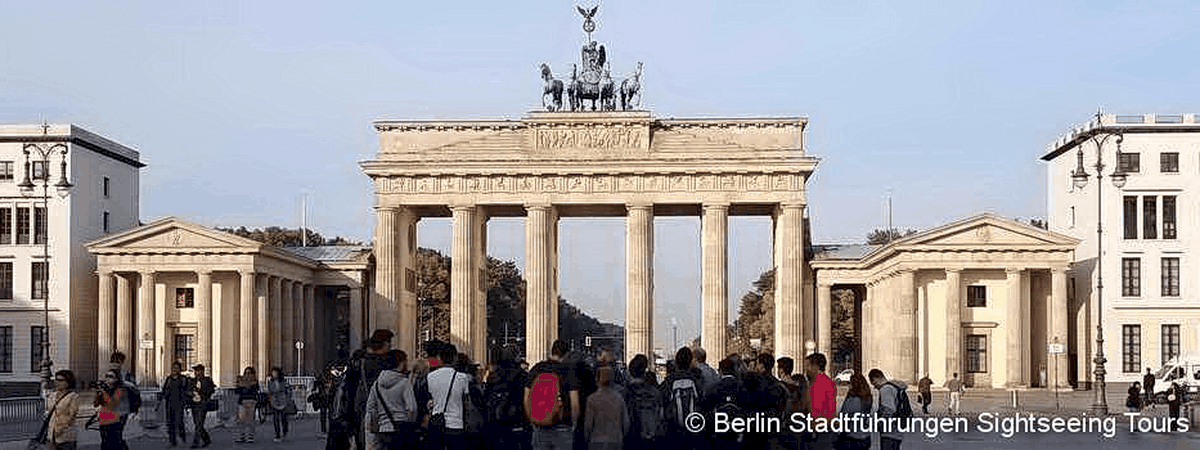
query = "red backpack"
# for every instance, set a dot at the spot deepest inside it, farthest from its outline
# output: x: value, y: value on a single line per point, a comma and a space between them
x: 544, y: 404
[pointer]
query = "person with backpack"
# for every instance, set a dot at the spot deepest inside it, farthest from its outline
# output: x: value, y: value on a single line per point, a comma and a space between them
x: 644, y: 401
x: 722, y: 398
x: 448, y: 387
x: 247, y: 395
x: 391, y: 405
x: 368, y: 366
x: 342, y: 421
x: 822, y: 395
x: 858, y: 401
x: 606, y: 419
x: 552, y: 401
x: 507, y: 427
x: 893, y: 402
x: 796, y: 401
x: 682, y: 392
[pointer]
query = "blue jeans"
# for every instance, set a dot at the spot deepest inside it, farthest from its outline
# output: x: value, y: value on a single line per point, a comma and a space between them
x: 281, y: 419
x: 559, y: 437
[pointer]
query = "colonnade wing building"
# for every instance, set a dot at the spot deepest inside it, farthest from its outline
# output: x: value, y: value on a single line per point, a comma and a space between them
x: 584, y: 164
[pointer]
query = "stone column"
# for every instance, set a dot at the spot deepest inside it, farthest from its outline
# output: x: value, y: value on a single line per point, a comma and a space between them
x: 1013, y: 326
x: 310, y: 327
x: 953, y: 322
x: 276, y: 318
x: 479, y: 285
x: 906, y: 327
x: 298, y: 327
x: 538, y: 271
x: 825, y: 321
x: 106, y: 311
x: 125, y: 334
x: 789, y: 279
x: 715, y: 278
x: 263, y: 324
x: 1058, y: 326
x: 405, y: 325
x: 462, y: 276
x: 246, y: 330
x: 204, y: 320
x: 146, y: 332
x: 386, y: 279
x: 357, y: 333
x: 639, y: 307
x: 287, y: 323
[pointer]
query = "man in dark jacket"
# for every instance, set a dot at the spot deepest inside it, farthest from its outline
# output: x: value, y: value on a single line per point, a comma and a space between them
x: 506, y: 425
x: 202, y: 391
x: 1148, y: 385
x: 722, y: 397
x: 175, y: 395
x: 644, y: 401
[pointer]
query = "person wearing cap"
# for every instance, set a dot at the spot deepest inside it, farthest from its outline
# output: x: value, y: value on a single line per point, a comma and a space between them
x: 202, y: 392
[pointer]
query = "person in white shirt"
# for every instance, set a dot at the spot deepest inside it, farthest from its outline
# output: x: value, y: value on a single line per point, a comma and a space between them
x: 447, y: 389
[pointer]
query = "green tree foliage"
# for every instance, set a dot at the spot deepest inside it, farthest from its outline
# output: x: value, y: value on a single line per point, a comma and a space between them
x: 883, y: 236
x: 756, y: 316
x: 286, y: 237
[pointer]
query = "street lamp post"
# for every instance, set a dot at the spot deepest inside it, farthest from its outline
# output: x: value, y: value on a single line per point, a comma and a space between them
x: 1079, y: 177
x: 45, y: 151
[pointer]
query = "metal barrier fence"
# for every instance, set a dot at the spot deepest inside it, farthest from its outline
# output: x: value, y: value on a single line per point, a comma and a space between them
x: 21, y: 417
x: 152, y: 415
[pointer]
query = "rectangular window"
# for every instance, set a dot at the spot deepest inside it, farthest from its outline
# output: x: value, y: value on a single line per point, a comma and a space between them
x: 976, y: 296
x: 1149, y: 217
x: 6, y: 349
x: 1131, y: 277
x: 36, y: 347
x: 184, y: 297
x: 105, y: 187
x: 38, y: 283
x: 38, y: 170
x: 1129, y: 162
x: 1168, y: 227
x: 22, y: 225
x: 185, y: 351
x: 1131, y: 348
x: 1170, y: 277
x: 39, y: 225
x: 1170, y: 342
x: 1168, y: 162
x: 6, y: 171
x: 1131, y: 217
x: 6, y: 281
x: 976, y: 353
x: 105, y: 221
x: 6, y: 225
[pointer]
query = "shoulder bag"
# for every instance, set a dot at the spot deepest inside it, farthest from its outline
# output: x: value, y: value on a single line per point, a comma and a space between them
x: 39, y: 441
x: 386, y: 410
x: 438, y: 421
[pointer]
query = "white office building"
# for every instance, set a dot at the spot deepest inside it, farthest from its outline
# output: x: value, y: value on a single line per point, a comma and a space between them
x: 1151, y: 226
x: 103, y: 200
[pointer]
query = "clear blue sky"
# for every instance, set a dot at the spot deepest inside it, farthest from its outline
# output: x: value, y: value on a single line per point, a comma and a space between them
x: 241, y: 107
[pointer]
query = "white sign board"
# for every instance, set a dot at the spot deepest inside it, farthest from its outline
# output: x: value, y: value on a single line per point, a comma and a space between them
x: 299, y: 345
x: 146, y: 344
x: 1056, y: 348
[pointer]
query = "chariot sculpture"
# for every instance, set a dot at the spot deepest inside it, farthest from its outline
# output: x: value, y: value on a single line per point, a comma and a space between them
x: 591, y: 80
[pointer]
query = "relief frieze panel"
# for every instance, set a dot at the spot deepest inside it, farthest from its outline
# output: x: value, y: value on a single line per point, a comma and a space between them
x: 586, y: 183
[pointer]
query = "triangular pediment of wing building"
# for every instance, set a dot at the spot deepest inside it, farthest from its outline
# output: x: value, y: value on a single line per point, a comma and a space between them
x: 172, y: 233
x: 986, y: 230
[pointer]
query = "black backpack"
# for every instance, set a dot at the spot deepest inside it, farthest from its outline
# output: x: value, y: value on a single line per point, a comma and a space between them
x: 903, y: 406
x: 502, y: 398
x: 645, y: 410
x: 341, y: 400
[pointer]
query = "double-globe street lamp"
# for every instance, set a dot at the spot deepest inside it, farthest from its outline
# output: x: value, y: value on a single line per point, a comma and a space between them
x: 1098, y: 137
x: 45, y: 151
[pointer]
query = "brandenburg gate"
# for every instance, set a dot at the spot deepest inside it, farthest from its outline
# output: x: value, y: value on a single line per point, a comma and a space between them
x: 549, y: 165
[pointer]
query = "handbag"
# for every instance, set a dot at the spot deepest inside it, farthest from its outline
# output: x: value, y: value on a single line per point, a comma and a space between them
x: 39, y: 442
x: 438, y: 421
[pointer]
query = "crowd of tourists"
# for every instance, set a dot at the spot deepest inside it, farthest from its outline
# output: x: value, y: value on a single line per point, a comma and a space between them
x: 379, y: 399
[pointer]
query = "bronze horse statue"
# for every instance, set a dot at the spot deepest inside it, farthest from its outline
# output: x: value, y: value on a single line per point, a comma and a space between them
x: 552, y: 87
x: 630, y: 88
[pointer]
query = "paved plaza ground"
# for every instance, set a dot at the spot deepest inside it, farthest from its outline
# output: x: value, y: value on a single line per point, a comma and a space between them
x: 998, y: 402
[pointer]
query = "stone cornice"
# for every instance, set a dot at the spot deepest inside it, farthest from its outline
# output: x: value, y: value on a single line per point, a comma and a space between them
x: 590, y: 119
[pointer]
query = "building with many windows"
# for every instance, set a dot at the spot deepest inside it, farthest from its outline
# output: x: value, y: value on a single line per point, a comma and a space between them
x: 103, y: 199
x: 1149, y: 269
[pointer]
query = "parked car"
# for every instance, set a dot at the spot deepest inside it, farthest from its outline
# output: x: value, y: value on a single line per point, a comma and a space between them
x: 843, y: 377
x: 1183, y: 369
